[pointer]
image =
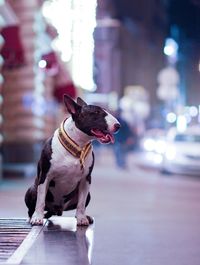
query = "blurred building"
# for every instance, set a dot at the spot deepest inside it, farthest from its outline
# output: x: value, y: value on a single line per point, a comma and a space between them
x: 25, y: 91
x: 34, y: 81
x: 2, y: 22
x: 129, y: 42
x: 129, y: 39
x: 128, y: 51
x: 184, y: 24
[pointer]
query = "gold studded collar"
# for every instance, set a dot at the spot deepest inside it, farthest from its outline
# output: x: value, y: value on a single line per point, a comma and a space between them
x: 72, y: 147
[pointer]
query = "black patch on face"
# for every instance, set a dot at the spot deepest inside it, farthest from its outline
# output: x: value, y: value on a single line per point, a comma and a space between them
x: 52, y: 184
x: 90, y: 117
x: 89, y: 177
x: 44, y: 162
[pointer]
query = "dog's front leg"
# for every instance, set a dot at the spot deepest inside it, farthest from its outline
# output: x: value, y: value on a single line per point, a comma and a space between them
x: 82, y: 219
x: 37, y: 218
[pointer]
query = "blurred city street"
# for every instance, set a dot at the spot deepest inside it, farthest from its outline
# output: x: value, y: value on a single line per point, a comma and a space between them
x: 113, y: 71
x: 141, y: 216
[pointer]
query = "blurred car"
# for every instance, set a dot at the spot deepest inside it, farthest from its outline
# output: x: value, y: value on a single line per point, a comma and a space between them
x: 152, y: 148
x: 182, y: 152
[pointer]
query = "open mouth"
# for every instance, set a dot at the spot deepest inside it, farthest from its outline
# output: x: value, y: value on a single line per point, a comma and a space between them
x: 103, y: 137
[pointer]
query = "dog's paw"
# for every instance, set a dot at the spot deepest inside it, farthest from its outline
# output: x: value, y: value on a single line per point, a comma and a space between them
x: 37, y: 219
x: 84, y: 220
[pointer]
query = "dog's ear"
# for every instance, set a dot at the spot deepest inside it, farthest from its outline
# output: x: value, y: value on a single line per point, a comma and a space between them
x: 81, y: 102
x: 71, y: 105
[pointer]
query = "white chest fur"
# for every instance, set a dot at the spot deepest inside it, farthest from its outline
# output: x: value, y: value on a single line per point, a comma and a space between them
x: 65, y: 169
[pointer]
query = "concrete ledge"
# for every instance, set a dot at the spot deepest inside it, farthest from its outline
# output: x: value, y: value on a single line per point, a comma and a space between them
x: 58, y: 241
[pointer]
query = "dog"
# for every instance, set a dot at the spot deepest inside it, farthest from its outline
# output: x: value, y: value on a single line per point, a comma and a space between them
x: 66, y: 163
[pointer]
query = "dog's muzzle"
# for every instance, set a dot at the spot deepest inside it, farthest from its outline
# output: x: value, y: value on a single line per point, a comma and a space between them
x: 117, y: 126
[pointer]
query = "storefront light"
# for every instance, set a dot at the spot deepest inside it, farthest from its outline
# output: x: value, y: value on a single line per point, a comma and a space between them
x: 181, y: 123
x: 171, y: 117
x: 75, y: 21
x: 193, y: 111
x: 171, y: 47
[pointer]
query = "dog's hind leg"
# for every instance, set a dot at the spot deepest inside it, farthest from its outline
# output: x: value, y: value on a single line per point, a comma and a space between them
x: 30, y: 200
x: 57, y: 210
x: 48, y: 214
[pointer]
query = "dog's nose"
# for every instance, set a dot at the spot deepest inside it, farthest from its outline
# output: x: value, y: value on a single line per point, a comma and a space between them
x: 117, y: 127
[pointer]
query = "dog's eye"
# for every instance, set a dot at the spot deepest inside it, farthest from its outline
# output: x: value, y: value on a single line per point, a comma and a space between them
x: 97, y: 112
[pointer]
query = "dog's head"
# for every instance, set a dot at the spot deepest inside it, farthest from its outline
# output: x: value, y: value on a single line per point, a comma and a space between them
x: 92, y: 120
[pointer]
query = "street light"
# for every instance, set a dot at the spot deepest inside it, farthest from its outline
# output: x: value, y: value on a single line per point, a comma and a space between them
x: 171, y: 47
x: 171, y: 50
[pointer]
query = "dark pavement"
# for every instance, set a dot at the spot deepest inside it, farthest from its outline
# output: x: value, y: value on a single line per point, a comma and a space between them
x: 141, y: 217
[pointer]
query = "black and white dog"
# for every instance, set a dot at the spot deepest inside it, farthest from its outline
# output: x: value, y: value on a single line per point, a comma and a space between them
x: 64, y: 169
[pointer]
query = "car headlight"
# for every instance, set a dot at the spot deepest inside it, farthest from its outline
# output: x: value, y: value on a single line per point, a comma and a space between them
x: 170, y: 153
x: 160, y: 147
x: 149, y: 144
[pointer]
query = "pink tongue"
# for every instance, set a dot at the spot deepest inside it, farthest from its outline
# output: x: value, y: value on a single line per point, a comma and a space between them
x: 109, y: 138
x: 104, y: 138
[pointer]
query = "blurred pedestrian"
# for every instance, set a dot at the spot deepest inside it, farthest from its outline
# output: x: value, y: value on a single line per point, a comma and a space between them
x: 125, y: 141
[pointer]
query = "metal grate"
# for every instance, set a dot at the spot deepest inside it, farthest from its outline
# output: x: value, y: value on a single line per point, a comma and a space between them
x: 12, y: 234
